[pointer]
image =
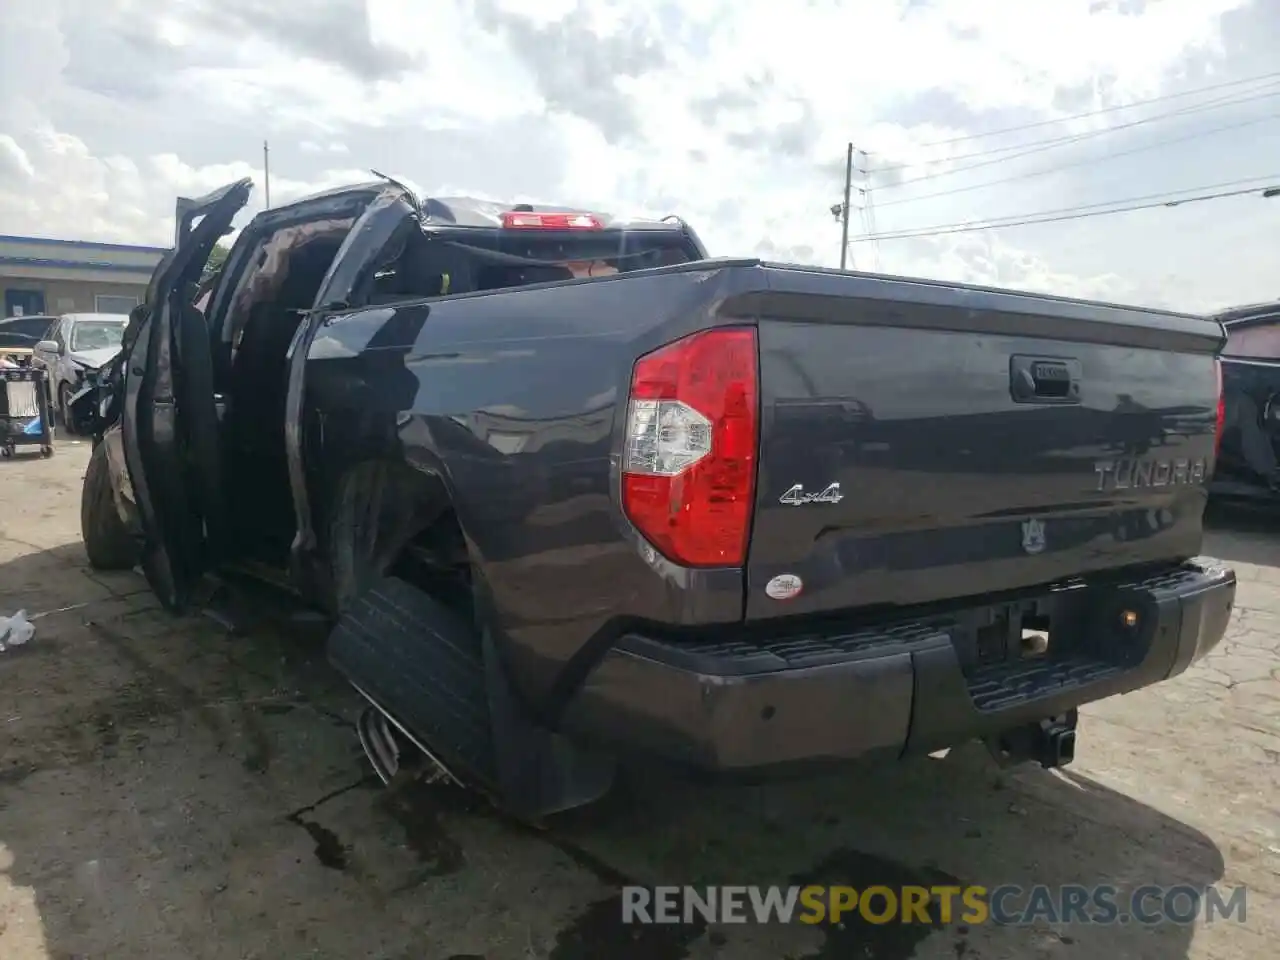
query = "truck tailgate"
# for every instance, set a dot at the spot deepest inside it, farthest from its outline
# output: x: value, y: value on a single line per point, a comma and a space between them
x: 921, y: 442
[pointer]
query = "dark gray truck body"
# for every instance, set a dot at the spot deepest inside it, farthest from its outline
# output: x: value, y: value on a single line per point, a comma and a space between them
x: 1000, y: 462
x: 899, y: 391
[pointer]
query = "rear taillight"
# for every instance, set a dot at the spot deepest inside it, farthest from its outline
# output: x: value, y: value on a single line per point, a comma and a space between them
x: 689, y: 471
x: 1222, y: 408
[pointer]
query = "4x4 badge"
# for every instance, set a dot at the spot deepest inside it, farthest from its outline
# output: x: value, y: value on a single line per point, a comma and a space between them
x: 796, y: 497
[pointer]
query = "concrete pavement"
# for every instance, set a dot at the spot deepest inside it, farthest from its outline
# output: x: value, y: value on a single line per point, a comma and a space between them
x: 170, y: 790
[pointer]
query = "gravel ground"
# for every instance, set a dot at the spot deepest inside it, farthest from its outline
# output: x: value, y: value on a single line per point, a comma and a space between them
x: 171, y: 790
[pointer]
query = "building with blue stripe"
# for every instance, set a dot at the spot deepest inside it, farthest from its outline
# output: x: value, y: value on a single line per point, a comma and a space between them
x: 39, y: 275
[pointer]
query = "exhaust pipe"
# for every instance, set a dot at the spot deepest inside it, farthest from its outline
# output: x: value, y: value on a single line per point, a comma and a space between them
x: 379, y: 743
x: 378, y: 732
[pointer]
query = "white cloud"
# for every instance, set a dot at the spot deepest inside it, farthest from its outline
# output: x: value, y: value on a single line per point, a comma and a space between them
x: 732, y: 114
x: 310, y: 146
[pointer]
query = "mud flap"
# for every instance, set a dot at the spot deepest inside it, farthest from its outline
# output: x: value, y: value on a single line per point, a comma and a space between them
x: 423, y: 667
x: 540, y: 772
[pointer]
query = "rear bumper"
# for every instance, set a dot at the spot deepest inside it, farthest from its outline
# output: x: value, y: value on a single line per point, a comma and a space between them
x: 903, y: 688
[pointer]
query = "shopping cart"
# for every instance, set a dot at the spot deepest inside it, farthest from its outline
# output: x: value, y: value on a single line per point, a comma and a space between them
x: 26, y: 417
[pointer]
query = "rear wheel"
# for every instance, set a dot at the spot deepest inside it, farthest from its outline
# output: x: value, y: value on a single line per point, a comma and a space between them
x: 106, y: 540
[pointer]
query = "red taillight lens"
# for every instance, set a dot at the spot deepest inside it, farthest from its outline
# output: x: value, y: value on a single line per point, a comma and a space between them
x: 522, y: 220
x: 689, y: 471
x: 1222, y: 409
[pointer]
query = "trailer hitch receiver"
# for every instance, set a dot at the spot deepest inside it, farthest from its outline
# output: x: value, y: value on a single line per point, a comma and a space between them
x: 1050, y: 742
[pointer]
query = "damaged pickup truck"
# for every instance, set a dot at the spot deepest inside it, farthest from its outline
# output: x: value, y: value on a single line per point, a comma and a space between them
x: 574, y: 492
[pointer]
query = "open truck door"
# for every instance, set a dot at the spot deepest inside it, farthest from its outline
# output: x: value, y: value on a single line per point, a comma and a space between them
x: 169, y: 421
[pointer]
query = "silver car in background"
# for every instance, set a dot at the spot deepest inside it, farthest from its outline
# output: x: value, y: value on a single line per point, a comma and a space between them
x: 74, y: 348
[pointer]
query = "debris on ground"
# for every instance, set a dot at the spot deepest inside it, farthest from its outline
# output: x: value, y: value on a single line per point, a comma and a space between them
x: 15, y: 630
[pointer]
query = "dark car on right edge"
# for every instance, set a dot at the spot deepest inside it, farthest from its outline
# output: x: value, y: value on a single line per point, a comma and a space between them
x: 1248, y: 467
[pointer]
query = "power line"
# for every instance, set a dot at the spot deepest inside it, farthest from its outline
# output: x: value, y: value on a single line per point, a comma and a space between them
x: 1078, y: 163
x: 1039, y: 146
x: 1083, y: 211
x: 1167, y: 199
x: 1104, y: 110
x: 869, y: 208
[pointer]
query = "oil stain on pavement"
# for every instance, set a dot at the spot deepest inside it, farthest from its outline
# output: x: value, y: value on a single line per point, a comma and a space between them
x: 329, y: 850
x: 416, y: 806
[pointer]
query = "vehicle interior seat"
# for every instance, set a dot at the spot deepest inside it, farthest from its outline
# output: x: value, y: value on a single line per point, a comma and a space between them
x: 425, y: 269
x: 501, y: 275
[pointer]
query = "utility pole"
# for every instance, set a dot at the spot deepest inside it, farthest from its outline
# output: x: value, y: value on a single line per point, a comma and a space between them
x: 266, y: 174
x: 844, y: 210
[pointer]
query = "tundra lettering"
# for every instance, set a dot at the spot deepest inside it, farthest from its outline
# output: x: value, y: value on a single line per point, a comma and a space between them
x: 1134, y: 473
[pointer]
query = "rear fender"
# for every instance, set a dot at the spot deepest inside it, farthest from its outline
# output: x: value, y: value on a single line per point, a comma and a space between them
x: 512, y: 399
x: 357, y: 429
x: 376, y: 433
x: 378, y: 507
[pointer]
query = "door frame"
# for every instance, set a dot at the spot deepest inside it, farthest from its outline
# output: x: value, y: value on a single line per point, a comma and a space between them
x: 168, y: 428
x: 386, y: 219
x: 345, y: 281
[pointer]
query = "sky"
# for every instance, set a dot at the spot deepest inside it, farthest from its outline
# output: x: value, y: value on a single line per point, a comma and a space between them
x: 733, y: 114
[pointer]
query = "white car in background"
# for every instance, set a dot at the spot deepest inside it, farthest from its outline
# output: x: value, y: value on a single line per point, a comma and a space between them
x: 76, y: 346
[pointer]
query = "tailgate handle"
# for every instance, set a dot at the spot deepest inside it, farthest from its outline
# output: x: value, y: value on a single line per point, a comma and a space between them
x: 1044, y: 379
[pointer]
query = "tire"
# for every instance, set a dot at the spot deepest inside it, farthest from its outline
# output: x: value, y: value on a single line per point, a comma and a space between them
x: 106, y: 541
